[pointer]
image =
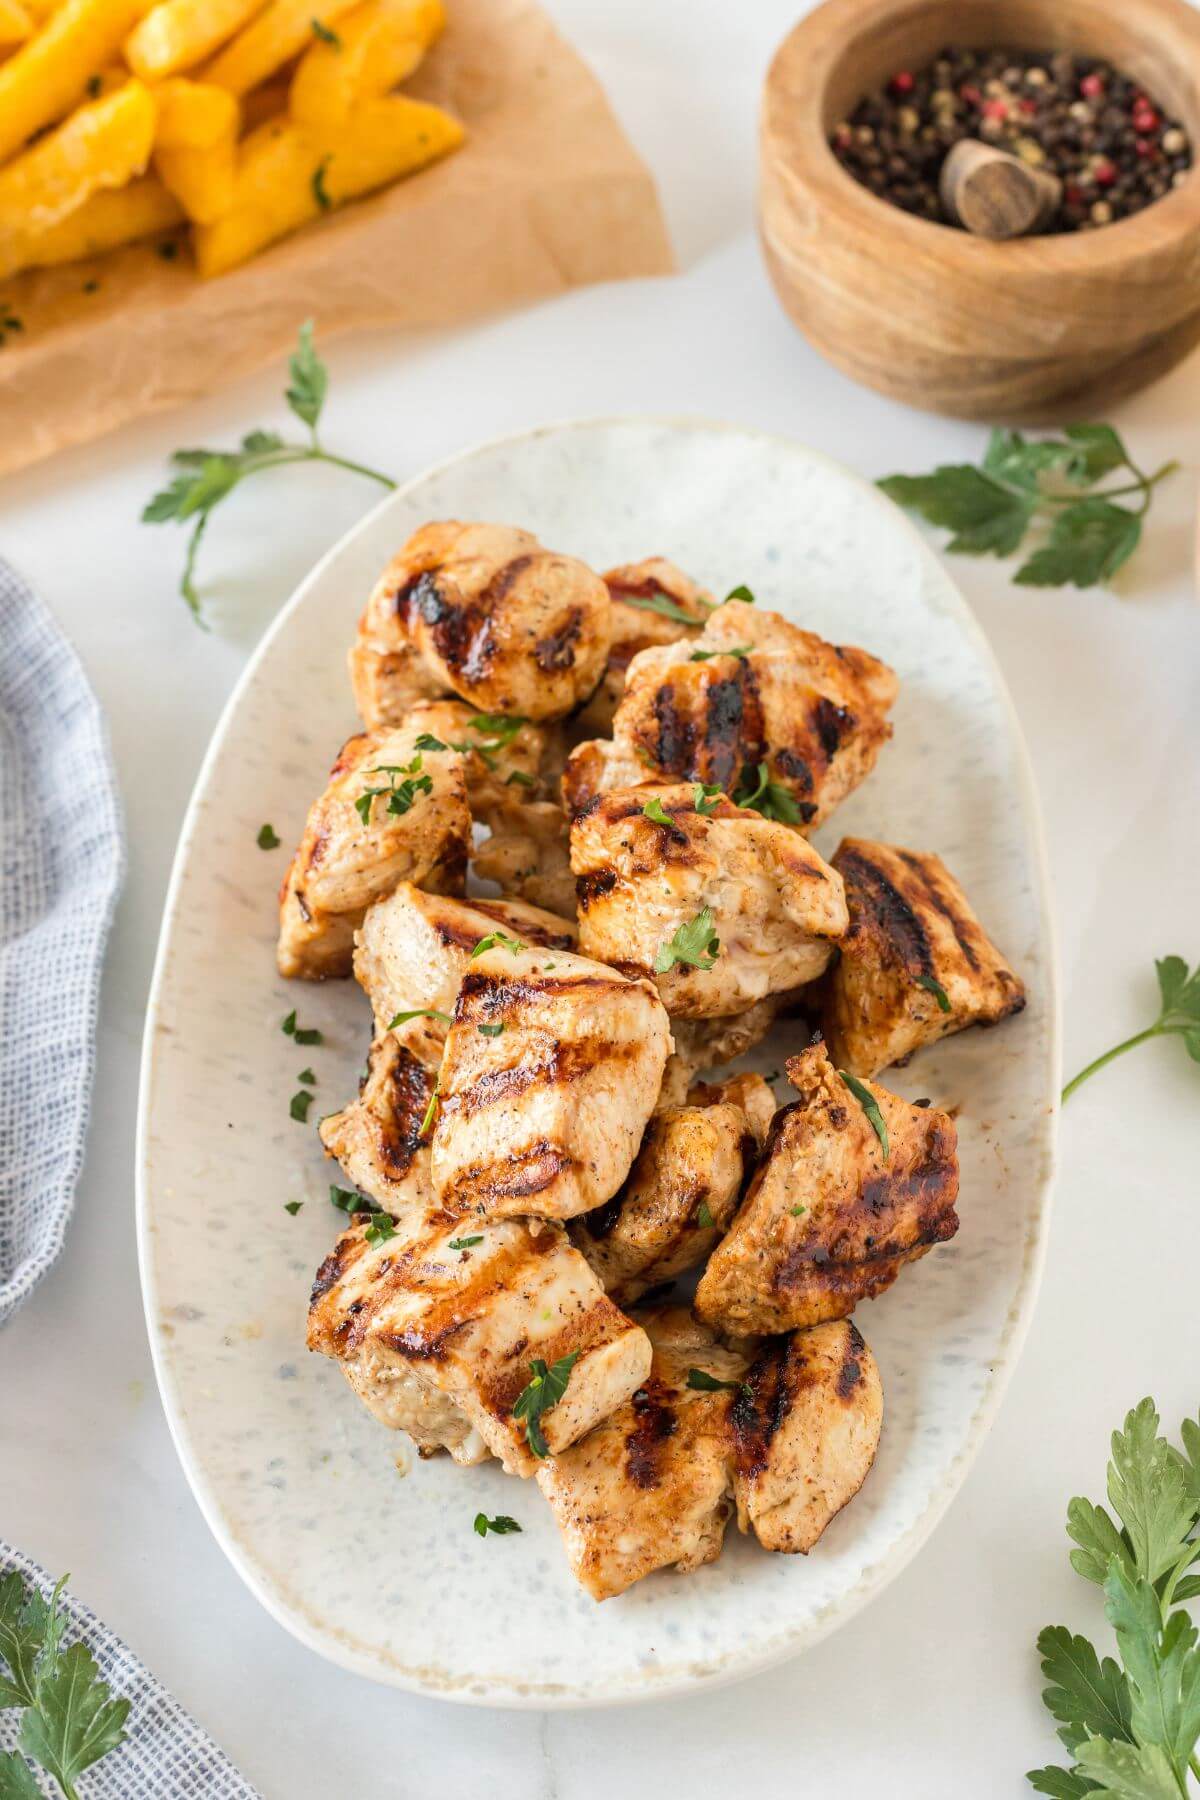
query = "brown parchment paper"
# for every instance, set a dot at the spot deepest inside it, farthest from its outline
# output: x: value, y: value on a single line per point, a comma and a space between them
x: 546, y: 194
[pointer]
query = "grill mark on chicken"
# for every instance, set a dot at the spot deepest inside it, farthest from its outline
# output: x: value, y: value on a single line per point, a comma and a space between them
x: 937, y: 900
x: 564, y: 1064
x: 557, y: 650
x: 850, y: 1374
x: 595, y: 885
x: 832, y: 723
x: 872, y: 890
x: 502, y: 581
x: 760, y: 1409
x: 655, y: 1422
x: 529, y: 1172
x: 675, y: 737
x: 409, y: 1084
x: 600, y: 1222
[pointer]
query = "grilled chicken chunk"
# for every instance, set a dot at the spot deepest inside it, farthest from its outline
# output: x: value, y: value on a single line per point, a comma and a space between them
x: 551, y: 1071
x: 651, y: 1487
x: 829, y: 1220
x: 528, y: 853
x: 485, y: 612
x: 417, y: 827
x: 813, y: 713
x: 413, y: 950
x: 646, y: 599
x: 805, y: 1432
x: 776, y: 909
x: 707, y: 1043
x: 436, y: 1335
x: 377, y: 1138
x: 915, y: 965
x: 682, y: 1191
x: 499, y: 754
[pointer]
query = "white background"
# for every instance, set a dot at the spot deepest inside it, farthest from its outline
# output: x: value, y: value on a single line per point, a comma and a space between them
x: 934, y: 1690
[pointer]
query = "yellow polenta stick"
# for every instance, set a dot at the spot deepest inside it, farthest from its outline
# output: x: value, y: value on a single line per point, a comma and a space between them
x: 50, y: 74
x: 283, y: 29
x: 102, y: 145
x: 15, y: 24
x: 111, y: 217
x: 194, y: 115
x: 288, y: 175
x: 378, y: 45
x: 201, y: 180
x: 181, y: 33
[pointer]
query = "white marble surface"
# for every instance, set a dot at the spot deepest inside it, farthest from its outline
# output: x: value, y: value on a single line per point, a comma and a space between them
x: 934, y: 1690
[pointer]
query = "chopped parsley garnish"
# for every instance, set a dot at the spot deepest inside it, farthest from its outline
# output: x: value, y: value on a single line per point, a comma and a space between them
x: 501, y: 1525
x: 490, y: 1030
x: 381, y: 1228
x: 661, y: 604
x: 430, y: 1111
x: 695, y: 943
x: 870, y: 1106
x: 546, y: 1389
x: 706, y: 797
x: 94, y: 84
x: 292, y: 1206
x: 521, y: 779
x: 289, y: 1025
x: 704, y: 1383
x: 797, y: 1211
x: 347, y: 1201
x: 499, y: 728
x: 741, y: 651
x: 322, y: 31
x: 741, y: 592
x: 300, y: 1105
x: 320, y: 194
x: 513, y: 945
x: 307, y: 1077
x: 464, y: 1243
x: 653, y: 810
x: 419, y: 1012
x: 768, y: 798
x: 309, y: 1036
x: 427, y: 741
x: 704, y: 1216
x: 401, y: 795
x: 936, y: 989
x: 267, y: 838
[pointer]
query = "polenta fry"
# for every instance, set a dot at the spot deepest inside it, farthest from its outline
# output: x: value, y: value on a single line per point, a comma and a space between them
x: 102, y: 145
x: 15, y: 24
x: 273, y: 38
x: 194, y: 115
x: 181, y: 33
x: 201, y: 180
x: 50, y: 74
x: 266, y: 102
x: 288, y: 175
x: 111, y: 217
x: 380, y: 43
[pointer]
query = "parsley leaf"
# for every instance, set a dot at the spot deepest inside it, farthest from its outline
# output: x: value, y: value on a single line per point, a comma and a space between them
x: 741, y: 592
x: 705, y: 1383
x: 1132, y: 1731
x: 499, y: 729
x: 401, y: 795
x: 431, y: 1110
x: 347, y: 1201
x: 300, y: 1104
x: 653, y: 810
x: 936, y: 989
x: 292, y: 1206
x: 662, y: 604
x: 308, y: 1077
x: 381, y: 1227
x: 205, y: 477
x: 706, y: 797
x: 1022, y: 481
x: 768, y: 797
x: 513, y: 945
x: 501, y: 1525
x: 322, y: 31
x: 491, y: 1030
x: 545, y: 1389
x: 695, y: 943
x: 704, y: 1217
x: 17, y: 1780
x: 75, y: 1720
x: 797, y: 1211
x: 308, y: 1036
x: 419, y: 1012
x: 1178, y: 1016
x: 870, y: 1106
x: 464, y: 1243
x: 741, y: 651
x: 267, y: 839
x: 29, y: 1626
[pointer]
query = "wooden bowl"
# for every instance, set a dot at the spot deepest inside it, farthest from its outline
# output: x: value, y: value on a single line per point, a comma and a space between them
x: 1026, y: 330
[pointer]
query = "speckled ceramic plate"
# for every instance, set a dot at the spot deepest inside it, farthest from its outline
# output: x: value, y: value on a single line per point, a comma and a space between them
x: 363, y: 1552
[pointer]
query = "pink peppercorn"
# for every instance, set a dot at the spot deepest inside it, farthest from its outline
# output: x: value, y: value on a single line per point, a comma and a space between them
x: 995, y: 109
x: 1104, y: 174
x: 1145, y: 119
x: 1144, y: 146
x: 902, y: 82
x: 1091, y: 87
x: 971, y: 95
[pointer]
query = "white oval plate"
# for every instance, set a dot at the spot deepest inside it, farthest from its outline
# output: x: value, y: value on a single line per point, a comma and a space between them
x: 375, y: 1566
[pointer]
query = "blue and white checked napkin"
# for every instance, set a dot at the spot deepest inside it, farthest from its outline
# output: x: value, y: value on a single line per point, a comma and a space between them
x: 61, y: 862
x: 165, y: 1756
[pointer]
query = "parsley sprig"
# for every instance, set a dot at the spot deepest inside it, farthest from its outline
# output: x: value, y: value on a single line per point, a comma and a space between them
x: 206, y: 477
x: 1178, y: 1016
x: 767, y: 797
x: 70, y: 1719
x: 870, y: 1106
x: 704, y: 1383
x: 1131, y: 1732
x: 1023, y: 482
x: 695, y: 943
x: 502, y: 1525
x: 544, y: 1390
x: 404, y: 782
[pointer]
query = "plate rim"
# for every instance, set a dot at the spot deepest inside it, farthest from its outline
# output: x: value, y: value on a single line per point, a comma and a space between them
x: 325, y: 1642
